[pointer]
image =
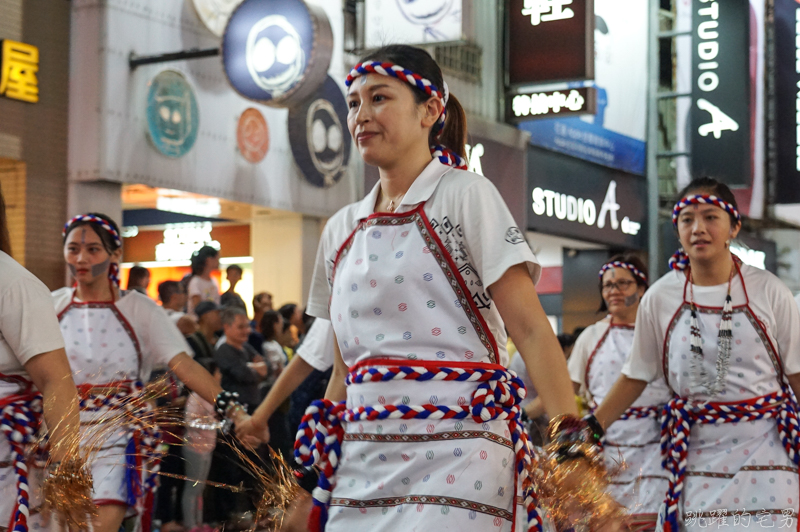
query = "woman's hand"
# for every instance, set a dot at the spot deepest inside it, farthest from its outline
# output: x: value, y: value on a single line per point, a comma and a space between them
x: 250, y: 428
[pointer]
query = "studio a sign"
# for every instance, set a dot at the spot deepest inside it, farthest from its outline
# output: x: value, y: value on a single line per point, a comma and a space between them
x: 277, y: 52
x: 571, y: 198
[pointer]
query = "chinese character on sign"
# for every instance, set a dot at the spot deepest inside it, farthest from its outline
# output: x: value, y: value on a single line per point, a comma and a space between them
x: 547, y: 10
x: 19, y: 63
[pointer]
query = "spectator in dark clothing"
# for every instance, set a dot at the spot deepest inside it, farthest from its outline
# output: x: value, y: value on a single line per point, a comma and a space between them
x: 262, y: 302
x: 242, y: 370
x: 230, y: 298
x: 208, y: 323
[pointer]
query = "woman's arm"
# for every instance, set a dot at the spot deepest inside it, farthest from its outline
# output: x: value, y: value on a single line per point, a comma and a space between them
x: 516, y: 299
x: 337, y: 391
x: 622, y: 395
x: 51, y: 374
x: 195, y: 377
x: 794, y: 382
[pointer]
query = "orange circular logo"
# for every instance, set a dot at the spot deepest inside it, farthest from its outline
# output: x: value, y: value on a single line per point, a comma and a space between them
x: 252, y: 135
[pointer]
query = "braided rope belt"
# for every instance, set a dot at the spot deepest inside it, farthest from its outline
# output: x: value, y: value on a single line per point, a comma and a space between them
x: 144, y: 436
x: 19, y: 420
x: 496, y: 397
x: 680, y: 415
x: 642, y: 412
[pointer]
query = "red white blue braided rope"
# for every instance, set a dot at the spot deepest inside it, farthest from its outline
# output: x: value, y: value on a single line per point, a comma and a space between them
x: 628, y: 266
x: 497, y: 396
x: 19, y: 421
x: 681, y: 414
x: 384, y: 68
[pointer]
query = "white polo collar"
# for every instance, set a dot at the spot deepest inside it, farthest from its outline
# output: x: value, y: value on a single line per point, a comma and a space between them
x: 420, y: 190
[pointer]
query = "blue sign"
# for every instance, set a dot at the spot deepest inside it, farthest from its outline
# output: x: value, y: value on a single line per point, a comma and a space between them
x: 172, y: 116
x: 319, y: 137
x: 276, y: 52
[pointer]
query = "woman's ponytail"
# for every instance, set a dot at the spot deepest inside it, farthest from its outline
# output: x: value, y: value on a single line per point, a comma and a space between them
x: 454, y: 133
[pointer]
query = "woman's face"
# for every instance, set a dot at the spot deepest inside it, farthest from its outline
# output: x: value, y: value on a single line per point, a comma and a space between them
x: 86, y: 256
x: 212, y: 264
x: 620, y: 291
x: 705, y: 232
x: 385, y: 121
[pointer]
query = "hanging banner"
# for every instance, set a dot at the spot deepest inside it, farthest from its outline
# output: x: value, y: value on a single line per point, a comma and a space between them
x: 615, y: 135
x: 550, y: 40
x: 720, y: 116
x: 412, y: 22
x: 787, y: 100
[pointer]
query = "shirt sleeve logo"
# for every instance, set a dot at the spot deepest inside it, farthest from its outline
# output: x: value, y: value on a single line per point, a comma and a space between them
x: 514, y: 236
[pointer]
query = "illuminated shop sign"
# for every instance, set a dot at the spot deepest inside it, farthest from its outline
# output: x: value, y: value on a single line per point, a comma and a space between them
x: 181, y: 240
x: 551, y: 104
x: 412, y: 21
x: 575, y: 199
x: 277, y: 52
x: 550, y: 40
x: 19, y: 63
x: 720, y: 116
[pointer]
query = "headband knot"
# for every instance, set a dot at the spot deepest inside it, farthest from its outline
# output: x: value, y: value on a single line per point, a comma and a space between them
x: 384, y: 68
x: 628, y: 266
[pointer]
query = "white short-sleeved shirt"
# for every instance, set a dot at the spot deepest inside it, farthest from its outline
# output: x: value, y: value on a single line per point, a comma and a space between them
x: 317, y: 347
x: 159, y: 338
x: 472, y: 221
x: 28, y: 325
x: 770, y: 300
x: 207, y: 289
x: 584, y: 347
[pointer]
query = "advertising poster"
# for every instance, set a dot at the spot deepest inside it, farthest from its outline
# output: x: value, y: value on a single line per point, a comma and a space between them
x: 412, y: 22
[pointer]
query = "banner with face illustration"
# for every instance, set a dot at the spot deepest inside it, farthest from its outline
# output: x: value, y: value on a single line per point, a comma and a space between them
x: 412, y: 22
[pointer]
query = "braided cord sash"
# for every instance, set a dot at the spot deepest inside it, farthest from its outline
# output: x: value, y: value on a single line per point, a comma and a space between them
x: 497, y: 396
x: 680, y: 415
x: 19, y: 420
x: 137, y: 415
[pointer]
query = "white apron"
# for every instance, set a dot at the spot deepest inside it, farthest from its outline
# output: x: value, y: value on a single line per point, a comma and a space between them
x: 20, y: 415
x: 105, y: 357
x: 737, y: 469
x: 634, y: 440
x: 397, y: 299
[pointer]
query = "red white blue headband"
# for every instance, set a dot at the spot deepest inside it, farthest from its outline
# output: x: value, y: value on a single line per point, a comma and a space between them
x: 445, y: 155
x: 628, y: 266
x: 703, y: 199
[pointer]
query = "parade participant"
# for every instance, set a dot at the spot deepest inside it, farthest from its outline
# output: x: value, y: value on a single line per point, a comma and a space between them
x: 631, y: 445
x: 113, y: 341
x: 725, y: 336
x: 35, y: 382
x: 418, y: 279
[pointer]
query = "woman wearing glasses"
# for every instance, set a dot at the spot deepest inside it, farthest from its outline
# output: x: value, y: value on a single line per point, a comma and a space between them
x: 595, y: 365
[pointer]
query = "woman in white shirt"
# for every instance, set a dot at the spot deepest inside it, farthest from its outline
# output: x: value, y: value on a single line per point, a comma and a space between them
x: 35, y: 383
x: 203, y: 287
x: 425, y: 272
x: 113, y: 339
x: 631, y: 445
x: 725, y: 338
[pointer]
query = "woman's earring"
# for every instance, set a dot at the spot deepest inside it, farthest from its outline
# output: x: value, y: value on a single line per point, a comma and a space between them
x: 727, y: 243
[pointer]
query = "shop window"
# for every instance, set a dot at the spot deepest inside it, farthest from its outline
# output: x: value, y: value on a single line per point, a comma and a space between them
x: 462, y: 60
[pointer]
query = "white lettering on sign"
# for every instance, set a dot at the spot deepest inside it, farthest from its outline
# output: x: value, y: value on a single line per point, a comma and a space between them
x: 474, y: 155
x: 719, y: 121
x: 544, y: 103
x: 546, y: 10
x: 181, y: 240
x: 581, y: 210
x: 797, y: 69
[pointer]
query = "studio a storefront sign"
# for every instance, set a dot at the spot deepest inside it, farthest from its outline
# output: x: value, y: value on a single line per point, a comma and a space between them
x: 584, y: 201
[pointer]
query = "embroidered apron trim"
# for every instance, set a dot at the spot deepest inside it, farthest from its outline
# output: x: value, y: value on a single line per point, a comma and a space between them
x: 498, y: 395
x: 424, y: 499
x: 426, y: 438
x: 681, y: 415
x: 444, y: 260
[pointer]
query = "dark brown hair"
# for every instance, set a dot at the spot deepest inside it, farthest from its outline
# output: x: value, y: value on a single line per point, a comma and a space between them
x: 630, y: 258
x: 5, y: 239
x: 710, y: 185
x: 418, y: 61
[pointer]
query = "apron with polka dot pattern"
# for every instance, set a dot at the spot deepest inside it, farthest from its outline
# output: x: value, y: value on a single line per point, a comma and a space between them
x: 737, y: 474
x: 631, y: 446
x: 397, y: 298
x: 104, y: 354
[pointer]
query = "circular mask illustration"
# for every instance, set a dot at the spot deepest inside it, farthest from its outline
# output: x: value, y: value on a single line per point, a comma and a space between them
x: 252, y: 135
x: 277, y: 52
x: 319, y: 137
x: 172, y: 116
x: 424, y: 12
x: 215, y: 13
